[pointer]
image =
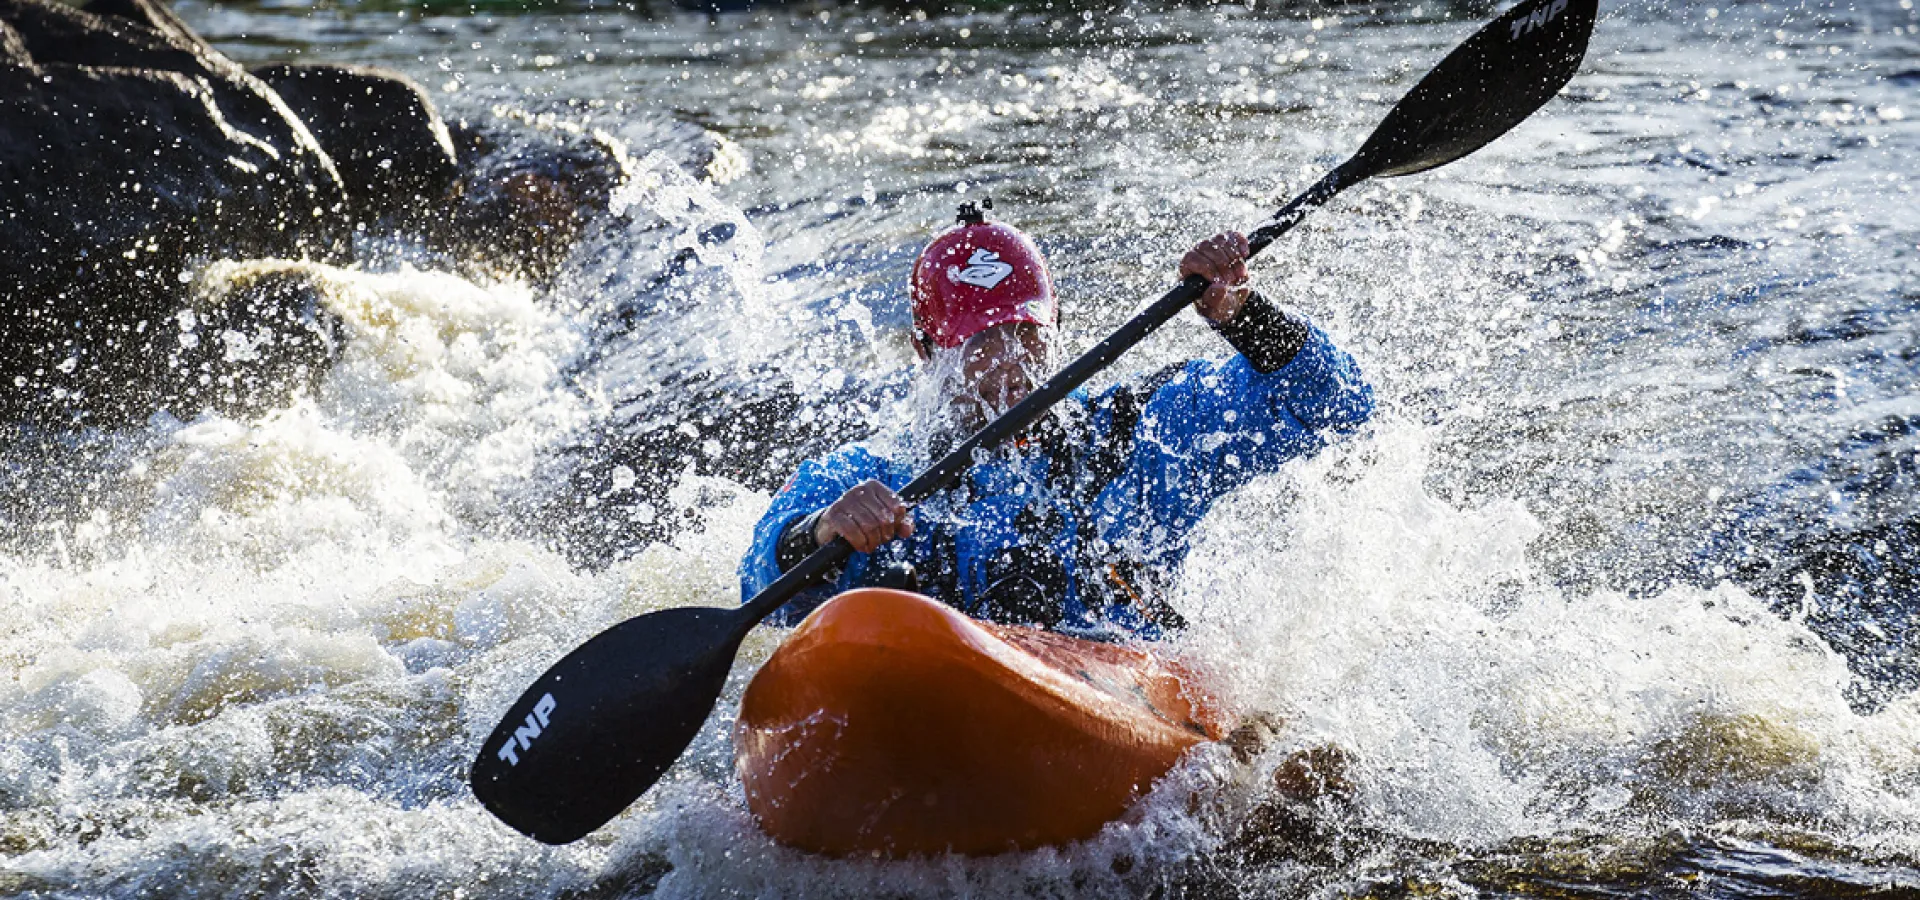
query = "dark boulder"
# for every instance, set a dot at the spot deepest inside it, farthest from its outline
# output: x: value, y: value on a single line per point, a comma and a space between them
x: 126, y: 153
x: 122, y: 35
x: 389, y: 144
x: 132, y: 153
x: 525, y: 196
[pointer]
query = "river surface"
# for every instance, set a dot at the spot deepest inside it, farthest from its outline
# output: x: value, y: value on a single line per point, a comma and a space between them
x: 1614, y: 599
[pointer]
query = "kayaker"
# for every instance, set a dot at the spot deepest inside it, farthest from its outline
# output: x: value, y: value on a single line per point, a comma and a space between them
x: 1081, y: 524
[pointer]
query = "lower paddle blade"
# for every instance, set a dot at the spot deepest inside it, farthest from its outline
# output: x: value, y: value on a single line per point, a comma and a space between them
x: 1487, y: 85
x: 601, y: 726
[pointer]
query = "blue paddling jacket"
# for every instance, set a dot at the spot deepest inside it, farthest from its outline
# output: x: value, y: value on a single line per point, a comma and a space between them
x: 1080, y: 526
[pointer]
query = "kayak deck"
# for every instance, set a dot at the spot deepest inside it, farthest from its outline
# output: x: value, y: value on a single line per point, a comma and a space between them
x: 890, y: 724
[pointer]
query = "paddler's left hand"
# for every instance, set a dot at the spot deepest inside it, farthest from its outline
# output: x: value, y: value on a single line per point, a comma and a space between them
x: 1222, y: 260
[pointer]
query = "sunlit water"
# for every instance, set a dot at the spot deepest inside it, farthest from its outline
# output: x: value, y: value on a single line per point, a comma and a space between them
x: 1659, y: 337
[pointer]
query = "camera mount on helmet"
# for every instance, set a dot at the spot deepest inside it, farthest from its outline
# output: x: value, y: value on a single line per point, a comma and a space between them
x: 974, y: 213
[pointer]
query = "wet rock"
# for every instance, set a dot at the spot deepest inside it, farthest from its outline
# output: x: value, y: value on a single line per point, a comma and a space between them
x: 1715, y: 750
x: 524, y: 197
x: 124, y: 34
x: 386, y: 139
x: 13, y: 48
x: 131, y: 153
x: 1314, y: 772
x: 127, y: 151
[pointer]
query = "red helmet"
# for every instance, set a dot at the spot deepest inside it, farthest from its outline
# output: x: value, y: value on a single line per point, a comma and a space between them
x: 976, y: 275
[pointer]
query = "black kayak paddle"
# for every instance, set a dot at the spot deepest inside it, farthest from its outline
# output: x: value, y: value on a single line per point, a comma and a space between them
x: 601, y: 726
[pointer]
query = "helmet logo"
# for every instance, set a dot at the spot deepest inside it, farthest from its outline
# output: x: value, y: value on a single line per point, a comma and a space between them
x: 984, y: 270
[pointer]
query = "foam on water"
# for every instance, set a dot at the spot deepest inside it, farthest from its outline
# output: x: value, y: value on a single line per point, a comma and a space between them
x: 1476, y: 703
x: 1481, y: 703
x: 264, y: 670
x: 274, y: 684
x: 257, y: 662
x: 274, y: 606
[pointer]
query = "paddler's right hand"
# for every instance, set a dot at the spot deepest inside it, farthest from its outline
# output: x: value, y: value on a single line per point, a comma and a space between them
x: 868, y: 515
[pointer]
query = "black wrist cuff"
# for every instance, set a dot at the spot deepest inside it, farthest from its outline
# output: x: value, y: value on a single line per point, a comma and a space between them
x: 796, y: 541
x: 1264, y: 334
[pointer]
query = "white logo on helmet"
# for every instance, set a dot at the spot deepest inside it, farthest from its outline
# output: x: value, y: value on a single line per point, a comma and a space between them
x: 984, y: 270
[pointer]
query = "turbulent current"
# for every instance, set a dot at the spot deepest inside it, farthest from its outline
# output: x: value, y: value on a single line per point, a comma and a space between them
x: 1615, y: 597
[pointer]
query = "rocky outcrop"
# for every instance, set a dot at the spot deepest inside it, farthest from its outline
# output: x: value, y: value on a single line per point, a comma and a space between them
x: 386, y: 140
x: 131, y: 153
x: 127, y: 149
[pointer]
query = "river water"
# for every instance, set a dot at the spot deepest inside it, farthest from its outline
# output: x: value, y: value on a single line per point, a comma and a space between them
x: 1615, y: 598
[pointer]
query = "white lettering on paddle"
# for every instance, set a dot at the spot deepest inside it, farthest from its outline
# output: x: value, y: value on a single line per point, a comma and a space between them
x: 523, y: 736
x: 1538, y: 19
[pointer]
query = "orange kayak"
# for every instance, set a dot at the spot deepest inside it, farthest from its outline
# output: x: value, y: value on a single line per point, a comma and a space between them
x: 890, y: 724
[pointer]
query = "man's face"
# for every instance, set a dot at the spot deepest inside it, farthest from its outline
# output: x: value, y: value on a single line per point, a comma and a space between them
x: 998, y: 368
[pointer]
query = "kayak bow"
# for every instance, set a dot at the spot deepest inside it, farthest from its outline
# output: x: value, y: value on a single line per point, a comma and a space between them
x: 892, y: 725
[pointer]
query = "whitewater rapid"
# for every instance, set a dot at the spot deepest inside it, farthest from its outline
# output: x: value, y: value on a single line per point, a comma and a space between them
x: 266, y: 667
x: 253, y: 656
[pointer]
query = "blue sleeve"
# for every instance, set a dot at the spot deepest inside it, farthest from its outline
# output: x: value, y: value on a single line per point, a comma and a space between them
x: 1322, y: 387
x: 1217, y: 424
x: 817, y: 484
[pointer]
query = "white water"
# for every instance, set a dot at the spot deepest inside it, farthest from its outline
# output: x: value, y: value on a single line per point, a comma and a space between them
x: 1481, y: 703
x: 264, y: 672
x: 259, y: 664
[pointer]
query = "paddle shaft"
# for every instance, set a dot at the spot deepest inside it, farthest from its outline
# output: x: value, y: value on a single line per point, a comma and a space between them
x: 945, y: 473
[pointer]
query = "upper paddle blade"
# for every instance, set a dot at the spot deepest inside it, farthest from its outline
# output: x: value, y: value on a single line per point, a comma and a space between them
x: 1482, y: 89
x: 598, y: 729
